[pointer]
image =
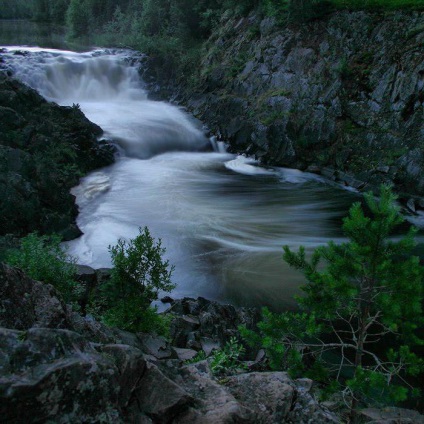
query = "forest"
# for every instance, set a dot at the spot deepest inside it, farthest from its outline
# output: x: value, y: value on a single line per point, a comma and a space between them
x: 172, y: 31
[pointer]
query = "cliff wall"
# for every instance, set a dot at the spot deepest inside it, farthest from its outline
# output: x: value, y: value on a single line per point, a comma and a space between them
x: 343, y: 95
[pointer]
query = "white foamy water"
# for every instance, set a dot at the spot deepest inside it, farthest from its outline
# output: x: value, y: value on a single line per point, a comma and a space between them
x: 223, y: 219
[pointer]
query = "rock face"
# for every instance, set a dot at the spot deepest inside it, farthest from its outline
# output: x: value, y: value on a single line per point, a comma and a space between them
x: 44, y: 150
x: 345, y: 91
x: 57, y: 366
x: 201, y: 324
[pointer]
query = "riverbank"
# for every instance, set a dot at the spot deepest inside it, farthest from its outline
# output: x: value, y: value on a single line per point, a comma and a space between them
x: 342, y: 96
x: 44, y: 150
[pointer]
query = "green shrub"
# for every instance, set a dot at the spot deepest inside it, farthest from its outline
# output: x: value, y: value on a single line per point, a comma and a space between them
x: 134, y: 316
x: 200, y: 356
x: 138, y: 275
x: 43, y: 259
x: 227, y: 360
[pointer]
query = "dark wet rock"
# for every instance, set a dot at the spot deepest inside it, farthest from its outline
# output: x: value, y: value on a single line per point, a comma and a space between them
x: 167, y: 299
x: 44, y: 150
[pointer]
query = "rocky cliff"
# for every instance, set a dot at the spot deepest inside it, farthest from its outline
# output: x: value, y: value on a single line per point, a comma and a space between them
x: 342, y: 95
x: 44, y: 150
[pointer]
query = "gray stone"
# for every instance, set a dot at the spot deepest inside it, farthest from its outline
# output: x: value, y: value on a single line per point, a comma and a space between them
x: 209, y: 345
x: 391, y: 416
x: 184, y: 354
x: 156, y: 346
x: 25, y: 303
x: 159, y: 397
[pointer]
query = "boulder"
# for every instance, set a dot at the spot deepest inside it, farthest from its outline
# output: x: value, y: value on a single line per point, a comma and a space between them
x: 25, y: 303
x: 55, y: 375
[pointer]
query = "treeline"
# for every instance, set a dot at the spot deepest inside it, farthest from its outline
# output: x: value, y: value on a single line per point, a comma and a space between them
x: 53, y: 11
x: 15, y: 9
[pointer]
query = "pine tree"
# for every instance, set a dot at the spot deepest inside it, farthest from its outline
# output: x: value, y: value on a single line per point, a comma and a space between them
x: 360, y: 295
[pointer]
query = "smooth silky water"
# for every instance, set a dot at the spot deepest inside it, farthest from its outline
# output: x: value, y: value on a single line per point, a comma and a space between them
x: 222, y: 218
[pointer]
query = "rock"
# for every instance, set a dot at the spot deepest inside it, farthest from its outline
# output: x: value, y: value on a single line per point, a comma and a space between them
x: 391, y: 416
x: 156, y: 346
x: 214, y: 404
x: 314, y: 169
x: 383, y: 169
x: 49, y: 374
x: 269, y: 396
x: 167, y: 299
x: 163, y: 400
x: 273, y: 397
x: 210, y: 323
x: 261, y: 355
x: 209, y: 345
x: 25, y: 303
x: 131, y: 366
x: 184, y: 354
x: 32, y: 178
x: 410, y: 204
x: 324, y: 97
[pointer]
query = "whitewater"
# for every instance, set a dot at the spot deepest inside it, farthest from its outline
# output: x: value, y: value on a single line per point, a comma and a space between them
x: 222, y: 218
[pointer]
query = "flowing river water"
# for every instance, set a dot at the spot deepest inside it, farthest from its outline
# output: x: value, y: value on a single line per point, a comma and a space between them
x: 222, y: 218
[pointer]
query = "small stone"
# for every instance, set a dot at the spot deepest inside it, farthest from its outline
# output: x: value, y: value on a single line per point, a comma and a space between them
x: 261, y: 355
x: 410, y: 204
x: 167, y: 299
x: 209, y: 345
x: 315, y: 169
x: 383, y: 169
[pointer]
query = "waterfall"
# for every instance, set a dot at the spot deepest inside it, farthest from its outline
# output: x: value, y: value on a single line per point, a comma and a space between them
x: 108, y: 88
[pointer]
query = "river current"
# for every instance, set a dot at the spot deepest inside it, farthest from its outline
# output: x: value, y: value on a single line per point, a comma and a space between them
x: 222, y: 218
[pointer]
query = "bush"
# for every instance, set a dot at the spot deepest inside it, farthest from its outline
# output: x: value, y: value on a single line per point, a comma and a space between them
x: 43, y: 259
x: 227, y: 360
x: 139, y: 274
x: 134, y: 316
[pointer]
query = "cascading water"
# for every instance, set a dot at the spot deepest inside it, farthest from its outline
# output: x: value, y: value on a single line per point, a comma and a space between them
x: 95, y: 81
x: 221, y: 218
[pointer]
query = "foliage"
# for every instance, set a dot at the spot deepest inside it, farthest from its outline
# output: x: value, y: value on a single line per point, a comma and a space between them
x: 42, y: 258
x: 139, y: 274
x: 134, y: 316
x: 367, y: 295
x: 227, y: 360
x: 139, y: 269
x: 15, y: 9
x: 200, y: 356
x: 50, y: 10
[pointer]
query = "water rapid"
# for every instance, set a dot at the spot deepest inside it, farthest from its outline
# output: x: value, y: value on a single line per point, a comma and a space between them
x: 223, y: 219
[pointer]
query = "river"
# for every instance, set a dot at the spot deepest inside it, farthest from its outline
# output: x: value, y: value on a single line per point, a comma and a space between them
x: 222, y: 218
